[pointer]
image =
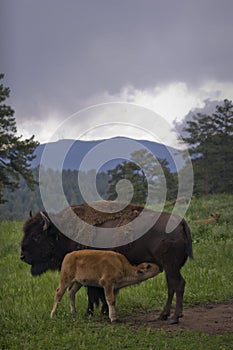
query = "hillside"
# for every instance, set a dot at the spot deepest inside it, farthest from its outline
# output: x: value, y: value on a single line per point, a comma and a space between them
x: 77, y: 150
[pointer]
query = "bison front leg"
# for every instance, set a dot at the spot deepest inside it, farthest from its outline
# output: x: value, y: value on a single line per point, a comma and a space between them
x: 94, y: 296
x: 104, y: 308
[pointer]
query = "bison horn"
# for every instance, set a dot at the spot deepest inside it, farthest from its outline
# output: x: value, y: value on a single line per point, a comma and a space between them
x: 46, y: 221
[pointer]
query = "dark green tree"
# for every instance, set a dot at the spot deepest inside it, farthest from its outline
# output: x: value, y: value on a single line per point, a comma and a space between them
x: 158, y: 173
x: 210, y: 140
x: 129, y: 171
x: 15, y: 153
x: 144, y: 172
x: 20, y: 202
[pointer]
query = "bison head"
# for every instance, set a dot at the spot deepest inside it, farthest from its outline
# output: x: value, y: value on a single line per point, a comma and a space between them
x: 40, y: 245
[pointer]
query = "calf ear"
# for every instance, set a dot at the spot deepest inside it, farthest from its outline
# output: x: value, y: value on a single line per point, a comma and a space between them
x: 46, y: 221
x: 30, y: 214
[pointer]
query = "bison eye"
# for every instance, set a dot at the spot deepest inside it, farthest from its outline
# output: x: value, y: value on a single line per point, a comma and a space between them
x: 37, y: 238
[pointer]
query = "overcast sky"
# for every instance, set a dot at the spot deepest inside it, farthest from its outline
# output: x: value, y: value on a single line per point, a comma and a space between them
x: 62, y: 56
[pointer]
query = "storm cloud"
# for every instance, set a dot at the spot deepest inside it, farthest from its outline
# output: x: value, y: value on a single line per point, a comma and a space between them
x: 60, y: 56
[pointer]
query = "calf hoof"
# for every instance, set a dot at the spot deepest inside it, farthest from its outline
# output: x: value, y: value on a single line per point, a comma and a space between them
x: 116, y: 321
x: 53, y: 313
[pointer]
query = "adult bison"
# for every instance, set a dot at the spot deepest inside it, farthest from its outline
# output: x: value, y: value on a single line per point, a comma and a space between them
x: 44, y: 247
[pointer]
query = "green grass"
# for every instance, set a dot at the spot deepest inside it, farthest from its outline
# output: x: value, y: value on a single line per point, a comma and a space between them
x: 26, y: 302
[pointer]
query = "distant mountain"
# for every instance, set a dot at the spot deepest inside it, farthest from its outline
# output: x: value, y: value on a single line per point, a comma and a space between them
x: 72, y: 152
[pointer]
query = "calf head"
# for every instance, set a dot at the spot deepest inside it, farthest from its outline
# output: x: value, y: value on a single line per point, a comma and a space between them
x: 147, y: 270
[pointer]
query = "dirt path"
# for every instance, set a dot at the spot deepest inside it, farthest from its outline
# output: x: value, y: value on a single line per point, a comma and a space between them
x: 211, y: 319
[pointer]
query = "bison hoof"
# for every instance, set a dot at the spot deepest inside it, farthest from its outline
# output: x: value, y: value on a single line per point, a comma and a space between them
x: 89, y: 313
x: 116, y: 321
x: 162, y: 317
x: 174, y: 320
x: 104, y: 312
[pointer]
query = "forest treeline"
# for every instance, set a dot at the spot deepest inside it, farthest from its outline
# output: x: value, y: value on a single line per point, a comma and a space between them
x: 23, y: 200
x: 209, y: 139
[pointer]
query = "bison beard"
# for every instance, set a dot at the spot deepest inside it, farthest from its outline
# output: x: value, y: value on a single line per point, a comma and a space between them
x: 37, y: 270
x: 44, y: 247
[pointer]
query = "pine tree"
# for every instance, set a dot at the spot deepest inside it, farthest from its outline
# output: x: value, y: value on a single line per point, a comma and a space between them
x: 149, y: 175
x: 223, y: 150
x: 211, y: 146
x: 129, y: 171
x: 15, y: 153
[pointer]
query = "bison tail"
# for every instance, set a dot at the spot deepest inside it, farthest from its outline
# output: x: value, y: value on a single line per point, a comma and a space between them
x: 189, y: 248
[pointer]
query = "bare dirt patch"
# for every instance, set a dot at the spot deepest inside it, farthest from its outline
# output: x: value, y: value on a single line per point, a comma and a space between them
x: 210, y: 319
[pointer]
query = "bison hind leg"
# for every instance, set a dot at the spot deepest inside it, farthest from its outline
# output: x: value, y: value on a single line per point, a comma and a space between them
x: 180, y: 286
x: 175, y: 285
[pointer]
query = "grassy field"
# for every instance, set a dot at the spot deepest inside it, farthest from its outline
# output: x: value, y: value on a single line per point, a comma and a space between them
x: 26, y: 302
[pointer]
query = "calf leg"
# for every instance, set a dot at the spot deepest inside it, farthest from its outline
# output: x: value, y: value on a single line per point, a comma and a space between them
x: 111, y: 301
x: 57, y: 298
x: 72, y: 291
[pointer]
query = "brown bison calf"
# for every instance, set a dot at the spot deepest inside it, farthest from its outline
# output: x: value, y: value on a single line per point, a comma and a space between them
x: 106, y: 269
x: 214, y: 218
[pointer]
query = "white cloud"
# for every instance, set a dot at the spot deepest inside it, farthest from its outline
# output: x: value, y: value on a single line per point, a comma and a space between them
x: 174, y: 101
x: 217, y: 90
x: 40, y: 127
x: 171, y: 102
